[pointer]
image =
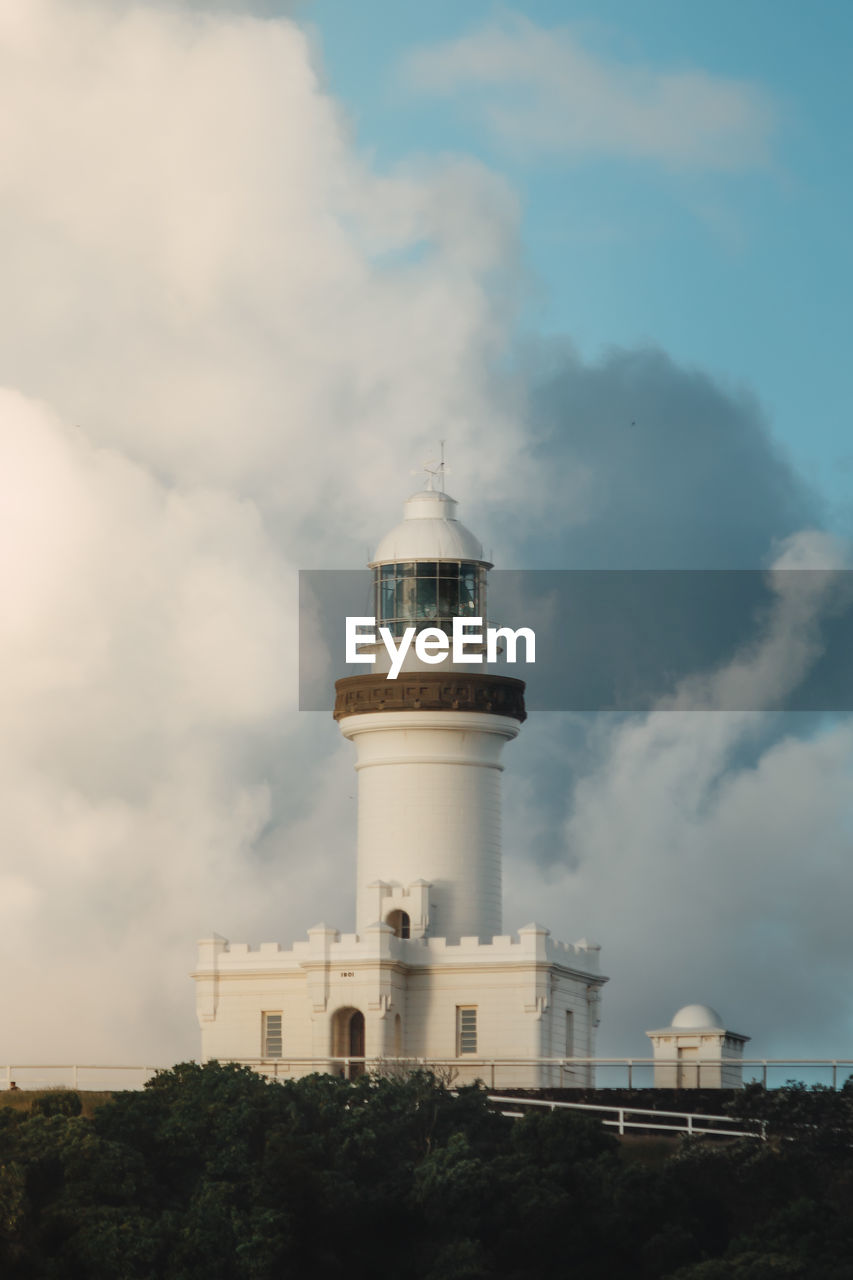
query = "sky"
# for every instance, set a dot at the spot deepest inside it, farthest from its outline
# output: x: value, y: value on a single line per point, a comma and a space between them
x: 258, y: 258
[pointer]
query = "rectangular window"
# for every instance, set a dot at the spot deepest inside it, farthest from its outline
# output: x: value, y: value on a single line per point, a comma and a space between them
x: 406, y: 598
x: 570, y: 1034
x: 271, y: 1035
x: 387, y: 600
x: 426, y: 597
x: 467, y: 589
x: 466, y: 1029
x: 448, y: 598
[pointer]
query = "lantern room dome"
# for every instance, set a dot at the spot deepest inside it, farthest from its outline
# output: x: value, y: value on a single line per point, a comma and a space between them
x: 429, y: 530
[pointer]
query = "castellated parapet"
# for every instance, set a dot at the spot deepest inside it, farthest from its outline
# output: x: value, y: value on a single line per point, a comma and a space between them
x: 527, y: 989
x: 533, y: 943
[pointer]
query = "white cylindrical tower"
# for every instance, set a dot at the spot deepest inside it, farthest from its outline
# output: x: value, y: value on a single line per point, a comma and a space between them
x: 429, y: 743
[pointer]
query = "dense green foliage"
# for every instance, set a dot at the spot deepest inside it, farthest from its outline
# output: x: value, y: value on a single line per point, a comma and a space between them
x: 213, y: 1173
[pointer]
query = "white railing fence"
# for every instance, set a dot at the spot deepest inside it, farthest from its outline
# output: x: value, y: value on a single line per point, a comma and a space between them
x: 624, y: 1118
x: 582, y: 1073
x: 602, y: 1073
x: 75, y: 1076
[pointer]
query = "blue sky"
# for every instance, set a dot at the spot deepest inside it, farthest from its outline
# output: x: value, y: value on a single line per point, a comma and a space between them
x: 747, y: 274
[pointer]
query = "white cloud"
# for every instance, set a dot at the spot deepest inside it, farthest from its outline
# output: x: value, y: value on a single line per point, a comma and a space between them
x: 719, y: 883
x: 224, y: 336
x: 229, y: 340
x: 539, y: 89
x: 142, y: 635
x: 711, y: 852
x: 219, y: 281
x: 787, y: 643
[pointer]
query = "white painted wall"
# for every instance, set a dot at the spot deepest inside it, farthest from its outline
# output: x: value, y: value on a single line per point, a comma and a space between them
x: 429, y: 807
x: 686, y: 1059
x: 517, y: 984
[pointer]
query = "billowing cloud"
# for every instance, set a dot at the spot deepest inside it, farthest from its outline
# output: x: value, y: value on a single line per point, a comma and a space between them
x: 704, y: 850
x: 540, y: 90
x: 231, y: 340
x: 660, y: 466
x: 715, y: 881
x: 143, y: 631
x: 711, y: 849
x: 228, y: 336
x: 219, y: 280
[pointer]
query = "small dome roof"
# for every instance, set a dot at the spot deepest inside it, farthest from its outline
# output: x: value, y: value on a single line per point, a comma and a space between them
x: 697, y: 1016
x: 429, y: 530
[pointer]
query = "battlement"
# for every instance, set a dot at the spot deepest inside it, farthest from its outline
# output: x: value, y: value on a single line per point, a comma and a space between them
x: 532, y: 944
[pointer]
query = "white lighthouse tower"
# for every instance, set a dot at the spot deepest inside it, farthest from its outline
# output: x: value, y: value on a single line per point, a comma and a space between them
x: 428, y: 976
x: 428, y: 746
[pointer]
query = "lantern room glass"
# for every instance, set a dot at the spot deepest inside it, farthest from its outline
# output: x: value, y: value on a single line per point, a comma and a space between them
x: 428, y: 593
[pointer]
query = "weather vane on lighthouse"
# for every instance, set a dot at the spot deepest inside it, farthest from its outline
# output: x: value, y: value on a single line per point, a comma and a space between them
x: 435, y: 471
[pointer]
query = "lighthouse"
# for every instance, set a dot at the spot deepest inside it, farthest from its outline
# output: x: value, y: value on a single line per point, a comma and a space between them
x: 429, y: 975
x: 429, y: 745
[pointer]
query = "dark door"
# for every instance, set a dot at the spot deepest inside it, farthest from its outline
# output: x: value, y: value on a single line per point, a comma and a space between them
x: 356, y: 1035
x: 356, y: 1043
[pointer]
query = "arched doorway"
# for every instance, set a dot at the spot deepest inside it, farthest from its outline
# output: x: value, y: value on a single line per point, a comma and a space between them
x: 348, y: 1040
x: 401, y: 923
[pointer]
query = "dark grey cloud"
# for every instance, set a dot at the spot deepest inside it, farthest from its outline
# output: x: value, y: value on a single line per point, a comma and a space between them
x: 678, y: 471
x: 663, y: 467
x: 705, y: 854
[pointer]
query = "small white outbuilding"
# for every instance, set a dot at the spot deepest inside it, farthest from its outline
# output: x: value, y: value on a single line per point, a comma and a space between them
x: 696, y: 1051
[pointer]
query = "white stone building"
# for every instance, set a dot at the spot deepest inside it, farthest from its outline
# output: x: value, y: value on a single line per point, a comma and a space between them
x: 429, y: 975
x: 696, y: 1051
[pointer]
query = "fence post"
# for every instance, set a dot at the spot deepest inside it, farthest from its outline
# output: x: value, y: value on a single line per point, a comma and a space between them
x: 621, y: 1122
x: 630, y: 1072
x: 690, y: 1125
x: 493, y: 1073
x: 764, y: 1072
x: 835, y: 1075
